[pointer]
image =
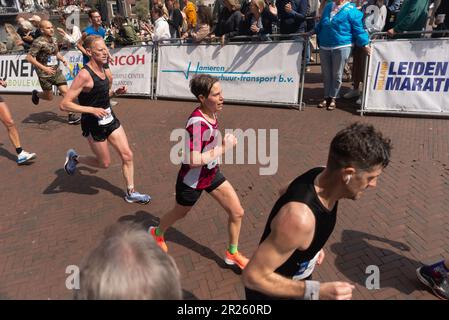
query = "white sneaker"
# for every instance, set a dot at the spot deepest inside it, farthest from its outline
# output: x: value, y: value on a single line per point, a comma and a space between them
x: 25, y: 157
x: 359, y: 101
x: 113, y: 103
x: 352, y: 94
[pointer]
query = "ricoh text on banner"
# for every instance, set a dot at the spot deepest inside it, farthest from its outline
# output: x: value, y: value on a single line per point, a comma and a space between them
x: 130, y: 66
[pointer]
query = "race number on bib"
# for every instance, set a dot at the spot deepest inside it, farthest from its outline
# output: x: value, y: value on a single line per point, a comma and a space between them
x: 52, y: 61
x: 106, y: 119
x: 212, y: 164
x: 306, y: 268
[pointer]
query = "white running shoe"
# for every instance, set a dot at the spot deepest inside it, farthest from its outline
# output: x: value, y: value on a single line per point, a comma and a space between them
x: 24, y: 157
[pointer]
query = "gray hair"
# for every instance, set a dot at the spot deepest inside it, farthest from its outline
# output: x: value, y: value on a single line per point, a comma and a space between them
x: 128, y: 265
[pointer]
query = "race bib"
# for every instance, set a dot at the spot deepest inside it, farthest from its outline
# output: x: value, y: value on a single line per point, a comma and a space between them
x: 212, y: 164
x: 52, y: 61
x: 306, y: 268
x: 106, y: 119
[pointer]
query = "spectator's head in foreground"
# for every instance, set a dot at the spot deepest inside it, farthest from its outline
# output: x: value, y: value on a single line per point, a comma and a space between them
x: 128, y: 265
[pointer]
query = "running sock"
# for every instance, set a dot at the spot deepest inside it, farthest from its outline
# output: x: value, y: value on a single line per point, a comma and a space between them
x: 19, y: 150
x: 439, y: 264
x: 158, y: 232
x: 233, y: 248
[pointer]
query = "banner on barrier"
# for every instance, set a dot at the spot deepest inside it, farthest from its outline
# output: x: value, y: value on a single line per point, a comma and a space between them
x: 131, y: 66
x: 257, y: 72
x: 20, y: 75
x: 414, y: 77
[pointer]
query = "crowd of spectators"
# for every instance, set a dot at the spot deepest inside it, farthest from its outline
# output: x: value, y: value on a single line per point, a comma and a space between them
x: 232, y: 20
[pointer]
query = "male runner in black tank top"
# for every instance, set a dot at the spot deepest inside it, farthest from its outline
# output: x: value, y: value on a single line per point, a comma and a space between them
x: 304, y: 217
x: 98, y: 121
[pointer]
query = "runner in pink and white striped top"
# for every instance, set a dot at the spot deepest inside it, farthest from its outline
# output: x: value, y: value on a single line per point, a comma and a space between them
x: 200, y: 170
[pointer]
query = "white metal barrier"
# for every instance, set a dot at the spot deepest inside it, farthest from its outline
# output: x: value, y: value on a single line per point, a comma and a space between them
x: 269, y: 72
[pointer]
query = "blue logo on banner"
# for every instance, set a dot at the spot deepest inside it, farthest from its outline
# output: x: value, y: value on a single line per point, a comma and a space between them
x: 206, y: 70
x: 429, y: 76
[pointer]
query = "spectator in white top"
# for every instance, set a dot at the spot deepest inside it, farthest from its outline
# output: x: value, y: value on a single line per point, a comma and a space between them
x: 71, y: 37
x: 161, y: 27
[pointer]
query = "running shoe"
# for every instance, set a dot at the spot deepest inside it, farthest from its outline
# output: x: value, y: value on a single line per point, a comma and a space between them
x: 159, y: 239
x: 24, y: 157
x: 236, y: 259
x: 74, y: 118
x: 136, y: 197
x: 436, y: 279
x: 70, y: 162
x: 35, y: 97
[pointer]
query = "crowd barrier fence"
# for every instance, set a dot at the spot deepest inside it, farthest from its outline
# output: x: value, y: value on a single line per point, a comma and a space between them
x: 254, y: 72
x: 402, y: 76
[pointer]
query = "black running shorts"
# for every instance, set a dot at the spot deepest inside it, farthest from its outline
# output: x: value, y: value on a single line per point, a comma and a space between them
x: 90, y: 126
x: 187, y: 196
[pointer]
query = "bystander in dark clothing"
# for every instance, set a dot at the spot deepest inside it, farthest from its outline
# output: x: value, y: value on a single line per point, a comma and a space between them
x: 393, y: 8
x: 175, y: 22
x: 295, y: 20
x: 229, y: 20
x: 412, y: 17
x: 258, y: 21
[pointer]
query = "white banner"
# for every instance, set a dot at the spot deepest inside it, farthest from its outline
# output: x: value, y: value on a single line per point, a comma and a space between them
x: 259, y: 72
x: 20, y: 75
x: 75, y: 64
x: 412, y: 77
x: 131, y: 66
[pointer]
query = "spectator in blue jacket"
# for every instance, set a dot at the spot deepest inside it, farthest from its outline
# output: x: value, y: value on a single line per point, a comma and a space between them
x: 340, y: 25
x: 292, y: 15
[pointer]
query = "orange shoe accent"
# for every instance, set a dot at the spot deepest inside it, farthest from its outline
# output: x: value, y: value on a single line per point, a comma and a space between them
x: 237, y: 258
x: 159, y: 239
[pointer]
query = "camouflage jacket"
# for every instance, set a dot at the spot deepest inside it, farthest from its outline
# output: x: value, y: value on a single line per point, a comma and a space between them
x: 45, y: 53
